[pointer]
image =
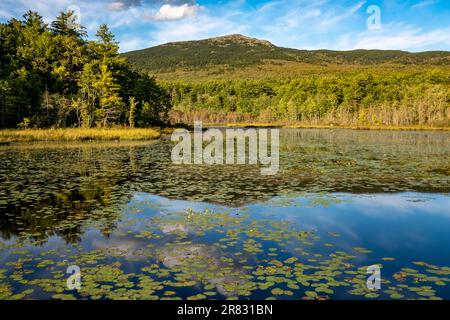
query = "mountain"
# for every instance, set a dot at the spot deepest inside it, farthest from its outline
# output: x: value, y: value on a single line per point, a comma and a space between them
x: 232, y: 52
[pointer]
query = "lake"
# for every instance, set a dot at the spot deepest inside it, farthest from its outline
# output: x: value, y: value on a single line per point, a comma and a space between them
x: 140, y: 227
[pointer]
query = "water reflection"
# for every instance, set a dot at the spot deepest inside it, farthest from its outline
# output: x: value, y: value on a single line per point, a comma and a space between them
x: 222, y: 250
x: 342, y: 200
x: 55, y: 189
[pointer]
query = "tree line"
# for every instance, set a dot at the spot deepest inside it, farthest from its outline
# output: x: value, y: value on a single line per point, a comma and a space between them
x: 52, y: 76
x: 420, y: 97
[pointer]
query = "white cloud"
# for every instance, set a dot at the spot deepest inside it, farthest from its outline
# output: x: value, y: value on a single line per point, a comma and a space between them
x: 423, y: 4
x: 290, y: 25
x: 170, y: 12
x: 395, y: 37
x: 132, y: 44
x: 337, y: 18
x: 117, y: 6
x: 270, y: 5
x: 202, y: 27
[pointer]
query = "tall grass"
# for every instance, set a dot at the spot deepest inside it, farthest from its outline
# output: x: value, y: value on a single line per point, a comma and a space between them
x: 78, y: 134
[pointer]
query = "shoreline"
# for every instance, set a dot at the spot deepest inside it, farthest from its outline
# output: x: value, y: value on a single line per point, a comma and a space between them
x: 312, y: 126
x: 8, y: 136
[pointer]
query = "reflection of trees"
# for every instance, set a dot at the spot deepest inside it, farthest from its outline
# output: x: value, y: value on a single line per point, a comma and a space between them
x: 57, y: 191
x: 313, y: 161
x: 368, y: 161
x: 62, y: 215
x: 420, y: 143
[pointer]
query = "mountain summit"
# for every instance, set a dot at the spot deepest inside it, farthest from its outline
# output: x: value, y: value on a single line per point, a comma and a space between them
x: 240, y: 39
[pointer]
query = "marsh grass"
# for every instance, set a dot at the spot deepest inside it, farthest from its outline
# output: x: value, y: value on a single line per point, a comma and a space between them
x: 78, y: 134
x: 69, y: 145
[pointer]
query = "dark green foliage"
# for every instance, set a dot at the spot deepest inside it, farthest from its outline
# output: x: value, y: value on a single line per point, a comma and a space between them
x: 52, y: 76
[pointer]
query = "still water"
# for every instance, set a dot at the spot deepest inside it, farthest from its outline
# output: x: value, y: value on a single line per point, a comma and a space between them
x: 140, y: 227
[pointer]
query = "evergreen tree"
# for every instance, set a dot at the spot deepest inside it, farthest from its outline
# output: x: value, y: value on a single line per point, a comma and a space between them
x: 88, y: 95
x: 132, y: 114
x: 66, y: 25
x: 109, y: 99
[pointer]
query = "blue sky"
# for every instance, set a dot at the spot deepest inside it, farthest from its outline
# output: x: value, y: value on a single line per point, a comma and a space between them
x: 413, y: 25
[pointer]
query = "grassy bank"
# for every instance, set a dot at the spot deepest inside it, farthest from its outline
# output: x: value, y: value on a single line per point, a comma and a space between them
x: 78, y: 134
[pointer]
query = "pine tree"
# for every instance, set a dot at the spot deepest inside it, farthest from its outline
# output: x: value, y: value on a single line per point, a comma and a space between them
x: 132, y: 113
x: 89, y: 95
x: 106, y: 47
x: 66, y: 25
x: 110, y: 101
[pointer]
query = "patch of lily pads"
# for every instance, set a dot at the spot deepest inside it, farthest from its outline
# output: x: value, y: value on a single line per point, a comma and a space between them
x: 249, y: 260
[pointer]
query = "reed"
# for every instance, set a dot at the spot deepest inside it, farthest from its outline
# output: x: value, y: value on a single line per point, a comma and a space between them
x: 79, y: 134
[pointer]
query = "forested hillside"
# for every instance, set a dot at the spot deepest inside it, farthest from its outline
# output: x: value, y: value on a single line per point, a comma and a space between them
x: 236, y: 79
x: 237, y: 51
x: 51, y: 76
